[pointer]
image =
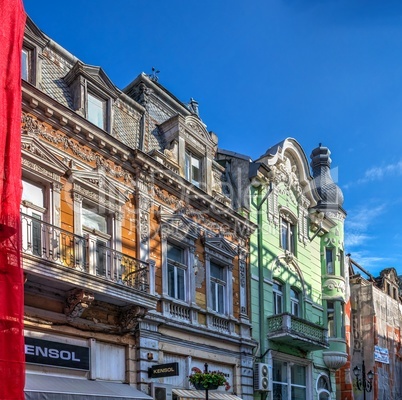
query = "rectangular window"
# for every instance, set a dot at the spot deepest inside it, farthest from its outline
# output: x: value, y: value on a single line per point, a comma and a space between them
x: 278, y: 297
x: 294, y: 302
x: 176, y: 272
x: 287, y: 236
x: 193, y: 169
x: 33, y: 206
x: 342, y: 262
x: 331, y: 318
x: 97, y: 226
x: 218, y: 286
x: 329, y: 254
x: 96, y: 111
x: 289, y: 381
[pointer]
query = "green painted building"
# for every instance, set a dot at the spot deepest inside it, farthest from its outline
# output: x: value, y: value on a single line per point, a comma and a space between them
x: 297, y: 277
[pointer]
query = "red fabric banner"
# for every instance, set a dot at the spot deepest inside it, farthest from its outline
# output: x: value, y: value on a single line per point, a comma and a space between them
x: 12, y: 355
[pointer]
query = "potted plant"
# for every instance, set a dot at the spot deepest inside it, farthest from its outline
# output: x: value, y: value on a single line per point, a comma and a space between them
x: 207, y: 380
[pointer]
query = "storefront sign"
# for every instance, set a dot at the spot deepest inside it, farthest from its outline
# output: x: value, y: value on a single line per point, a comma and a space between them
x: 381, y: 355
x: 163, y: 370
x: 45, y: 352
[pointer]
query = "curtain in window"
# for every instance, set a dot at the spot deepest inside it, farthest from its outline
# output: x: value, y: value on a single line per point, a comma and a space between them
x: 12, y: 359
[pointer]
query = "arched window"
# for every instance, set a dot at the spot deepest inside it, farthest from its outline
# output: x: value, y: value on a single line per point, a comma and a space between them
x: 323, y: 387
x: 294, y: 302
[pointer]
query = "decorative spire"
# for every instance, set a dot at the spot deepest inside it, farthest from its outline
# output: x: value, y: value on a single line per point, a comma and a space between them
x: 331, y: 195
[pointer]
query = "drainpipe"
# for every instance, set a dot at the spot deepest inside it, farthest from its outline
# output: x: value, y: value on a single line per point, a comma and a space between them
x: 260, y: 268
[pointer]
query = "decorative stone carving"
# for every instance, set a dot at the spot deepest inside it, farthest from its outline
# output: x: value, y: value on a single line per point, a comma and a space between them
x: 77, y: 302
x: 131, y: 316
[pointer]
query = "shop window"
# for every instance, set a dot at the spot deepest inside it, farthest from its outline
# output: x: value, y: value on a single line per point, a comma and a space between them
x: 176, y: 272
x: 278, y: 297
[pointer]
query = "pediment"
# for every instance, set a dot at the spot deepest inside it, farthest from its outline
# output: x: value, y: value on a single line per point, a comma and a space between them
x: 94, y: 74
x: 178, y: 226
x: 37, y: 157
x: 34, y: 34
x: 97, y: 186
x: 390, y: 274
x: 221, y: 245
x: 194, y: 125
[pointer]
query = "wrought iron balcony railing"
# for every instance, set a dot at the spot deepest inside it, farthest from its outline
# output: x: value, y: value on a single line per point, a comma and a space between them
x: 291, y: 330
x: 85, y: 253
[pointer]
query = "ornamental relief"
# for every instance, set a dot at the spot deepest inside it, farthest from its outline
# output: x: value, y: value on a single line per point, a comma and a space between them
x: 332, y: 284
x: 180, y: 207
x: 31, y: 126
x: 35, y: 167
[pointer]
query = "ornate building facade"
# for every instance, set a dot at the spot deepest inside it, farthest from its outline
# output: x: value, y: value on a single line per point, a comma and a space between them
x: 374, y: 328
x: 298, y: 286
x: 135, y: 259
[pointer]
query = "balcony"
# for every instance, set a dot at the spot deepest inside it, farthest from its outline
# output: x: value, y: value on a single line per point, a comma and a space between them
x: 63, y: 257
x: 297, y: 332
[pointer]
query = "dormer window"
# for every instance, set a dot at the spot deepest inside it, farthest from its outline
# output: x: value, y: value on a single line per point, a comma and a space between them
x: 193, y: 168
x: 96, y: 110
x: 93, y: 94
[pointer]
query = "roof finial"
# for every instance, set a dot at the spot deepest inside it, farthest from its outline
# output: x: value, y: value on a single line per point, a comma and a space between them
x: 154, y: 77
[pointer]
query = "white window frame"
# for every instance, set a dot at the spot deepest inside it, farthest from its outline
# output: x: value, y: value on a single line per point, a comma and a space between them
x: 291, y: 361
x: 190, y: 158
x: 295, y: 303
x: 220, y: 252
x: 178, y: 231
x: 218, y: 289
x: 288, y: 233
x: 104, y: 107
x: 177, y: 267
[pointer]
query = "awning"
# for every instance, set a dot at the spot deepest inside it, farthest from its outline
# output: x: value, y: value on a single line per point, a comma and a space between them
x: 47, y: 387
x: 200, y: 394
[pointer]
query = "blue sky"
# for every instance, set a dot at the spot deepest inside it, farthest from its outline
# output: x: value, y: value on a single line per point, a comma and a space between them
x: 320, y: 71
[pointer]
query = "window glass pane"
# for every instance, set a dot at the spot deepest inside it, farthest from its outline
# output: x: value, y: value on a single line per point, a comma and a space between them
x: 298, y: 393
x: 101, y: 257
x: 221, y: 297
x: 33, y: 193
x: 291, y: 239
x: 171, y: 286
x: 96, y: 111
x: 280, y: 391
x: 175, y: 253
x: 284, y: 235
x: 279, y: 371
x: 36, y: 235
x: 93, y: 220
x: 298, y: 373
x: 25, y: 65
x: 329, y: 261
x: 331, y: 318
x: 277, y: 292
x: 180, y: 284
x: 216, y: 271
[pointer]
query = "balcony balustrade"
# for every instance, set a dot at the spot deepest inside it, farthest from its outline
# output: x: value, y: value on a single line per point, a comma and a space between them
x: 294, y: 331
x: 84, y: 253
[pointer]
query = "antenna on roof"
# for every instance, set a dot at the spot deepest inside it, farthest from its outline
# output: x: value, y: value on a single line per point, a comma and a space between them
x: 154, y: 77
